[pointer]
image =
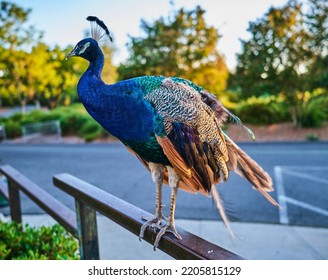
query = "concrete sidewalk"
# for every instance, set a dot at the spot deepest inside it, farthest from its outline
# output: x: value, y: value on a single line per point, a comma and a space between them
x: 253, y: 241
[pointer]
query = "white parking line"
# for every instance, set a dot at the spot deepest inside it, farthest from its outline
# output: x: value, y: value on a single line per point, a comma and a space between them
x: 305, y: 176
x: 283, y: 211
x: 306, y: 206
x: 283, y: 200
x: 309, y: 168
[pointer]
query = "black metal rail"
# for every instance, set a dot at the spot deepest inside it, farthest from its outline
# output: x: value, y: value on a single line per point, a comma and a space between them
x: 83, y: 224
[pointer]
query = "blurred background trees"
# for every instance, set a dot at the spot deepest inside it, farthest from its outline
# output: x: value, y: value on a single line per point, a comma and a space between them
x: 31, y: 71
x: 281, y: 73
x: 287, y: 56
x: 180, y: 45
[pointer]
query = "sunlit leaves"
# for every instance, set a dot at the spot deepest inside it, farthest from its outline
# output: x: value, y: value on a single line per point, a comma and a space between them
x: 33, y: 72
x: 180, y: 45
x: 286, y: 54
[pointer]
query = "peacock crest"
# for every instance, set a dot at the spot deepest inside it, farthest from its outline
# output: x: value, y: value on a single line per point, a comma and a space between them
x: 99, y: 30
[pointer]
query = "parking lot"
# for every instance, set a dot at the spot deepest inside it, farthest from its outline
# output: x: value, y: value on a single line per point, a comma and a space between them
x: 303, y: 194
x: 299, y: 172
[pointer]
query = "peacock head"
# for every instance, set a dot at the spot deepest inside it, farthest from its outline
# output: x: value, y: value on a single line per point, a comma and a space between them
x: 89, y: 48
x: 86, y: 48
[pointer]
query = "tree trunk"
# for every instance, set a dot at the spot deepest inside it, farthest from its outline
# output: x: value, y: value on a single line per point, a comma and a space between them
x: 23, y: 106
x: 293, y: 114
x: 37, y: 104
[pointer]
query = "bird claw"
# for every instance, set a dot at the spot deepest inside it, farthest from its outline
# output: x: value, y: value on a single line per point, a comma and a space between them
x: 151, y: 222
x: 155, y: 223
x: 168, y: 227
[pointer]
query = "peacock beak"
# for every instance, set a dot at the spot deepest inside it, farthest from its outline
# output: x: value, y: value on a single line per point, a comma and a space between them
x: 72, y: 53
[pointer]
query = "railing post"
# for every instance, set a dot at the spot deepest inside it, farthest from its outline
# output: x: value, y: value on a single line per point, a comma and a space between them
x: 87, y: 231
x: 14, y: 202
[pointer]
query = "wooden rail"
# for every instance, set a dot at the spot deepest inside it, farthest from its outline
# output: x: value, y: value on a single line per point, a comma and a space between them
x: 89, y: 200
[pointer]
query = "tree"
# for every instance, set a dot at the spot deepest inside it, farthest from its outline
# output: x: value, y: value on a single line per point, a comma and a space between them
x: 281, y: 53
x: 14, y: 32
x: 109, y: 73
x: 15, y: 38
x: 317, y: 20
x: 59, y: 79
x: 273, y: 60
x: 30, y: 70
x: 26, y: 73
x: 181, y: 45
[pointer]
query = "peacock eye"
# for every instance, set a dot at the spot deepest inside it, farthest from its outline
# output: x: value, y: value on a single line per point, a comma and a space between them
x: 79, y: 46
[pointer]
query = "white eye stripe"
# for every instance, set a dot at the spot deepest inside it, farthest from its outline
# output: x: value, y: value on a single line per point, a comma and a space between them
x: 86, y: 45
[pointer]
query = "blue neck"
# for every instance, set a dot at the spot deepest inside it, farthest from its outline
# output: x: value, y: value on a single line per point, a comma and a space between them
x: 90, y: 85
x: 96, y: 64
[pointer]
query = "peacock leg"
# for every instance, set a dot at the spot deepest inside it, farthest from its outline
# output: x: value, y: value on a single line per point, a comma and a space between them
x: 170, y: 226
x: 156, y: 220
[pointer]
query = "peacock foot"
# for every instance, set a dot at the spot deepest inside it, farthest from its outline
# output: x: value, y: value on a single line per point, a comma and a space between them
x: 168, y: 227
x: 153, y: 222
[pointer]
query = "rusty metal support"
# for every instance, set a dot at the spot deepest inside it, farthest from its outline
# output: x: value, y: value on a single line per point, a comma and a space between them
x: 87, y: 231
x: 14, y: 202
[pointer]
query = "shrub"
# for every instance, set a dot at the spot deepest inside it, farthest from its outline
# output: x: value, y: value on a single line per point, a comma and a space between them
x: 72, y: 123
x: 91, y: 130
x: 74, y: 120
x: 312, y: 137
x: 262, y: 110
x: 19, y: 242
x: 91, y: 136
x: 17, y: 117
x: 71, y: 118
x: 33, y: 116
x: 13, y: 129
x: 315, y: 111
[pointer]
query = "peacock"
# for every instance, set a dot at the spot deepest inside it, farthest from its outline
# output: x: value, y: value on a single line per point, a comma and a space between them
x: 172, y: 126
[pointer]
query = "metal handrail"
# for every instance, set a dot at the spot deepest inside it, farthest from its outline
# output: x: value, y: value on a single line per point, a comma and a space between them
x: 89, y: 200
x: 18, y: 182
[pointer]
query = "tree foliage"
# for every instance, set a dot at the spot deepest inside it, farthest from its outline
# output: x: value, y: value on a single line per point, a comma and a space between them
x: 286, y: 54
x: 317, y: 20
x: 14, y: 31
x: 180, y: 45
x: 33, y: 72
x: 109, y: 73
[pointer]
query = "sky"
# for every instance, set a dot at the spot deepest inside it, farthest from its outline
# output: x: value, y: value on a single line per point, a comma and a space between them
x: 64, y: 22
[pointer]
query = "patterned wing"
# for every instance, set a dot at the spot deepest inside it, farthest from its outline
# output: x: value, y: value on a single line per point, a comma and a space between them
x: 193, y: 141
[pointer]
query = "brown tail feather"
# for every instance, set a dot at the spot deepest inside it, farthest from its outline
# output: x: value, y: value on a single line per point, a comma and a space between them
x: 219, y: 206
x: 246, y: 167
